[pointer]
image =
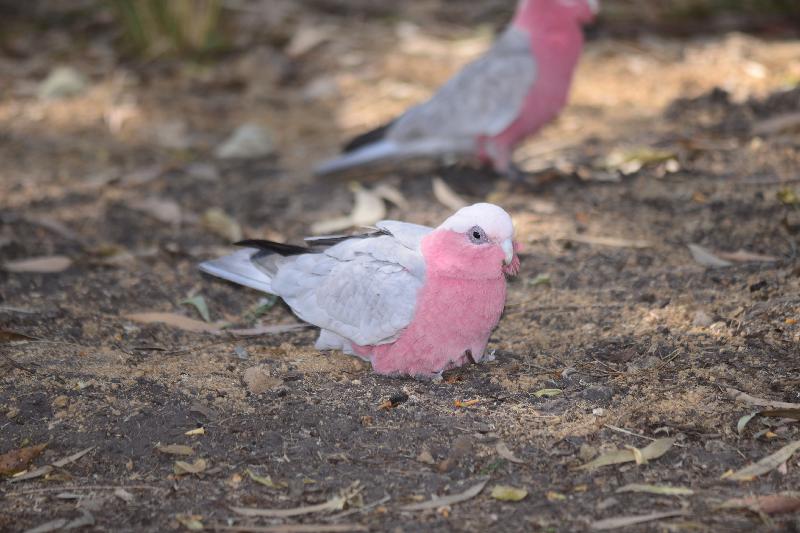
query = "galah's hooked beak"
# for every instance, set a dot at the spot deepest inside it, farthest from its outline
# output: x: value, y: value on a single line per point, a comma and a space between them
x: 594, y: 5
x: 508, y: 249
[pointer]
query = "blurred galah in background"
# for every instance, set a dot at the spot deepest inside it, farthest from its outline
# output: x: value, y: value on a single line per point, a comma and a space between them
x: 411, y: 299
x: 520, y: 84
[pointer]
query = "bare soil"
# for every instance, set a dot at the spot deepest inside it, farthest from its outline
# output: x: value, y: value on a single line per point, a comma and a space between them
x: 610, y: 308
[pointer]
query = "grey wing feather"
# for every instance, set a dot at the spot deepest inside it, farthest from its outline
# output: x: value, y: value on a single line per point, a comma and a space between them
x: 484, y: 98
x: 362, y: 289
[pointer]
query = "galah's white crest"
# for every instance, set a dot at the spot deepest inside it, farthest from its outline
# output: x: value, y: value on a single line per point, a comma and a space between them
x: 411, y: 299
x: 520, y: 84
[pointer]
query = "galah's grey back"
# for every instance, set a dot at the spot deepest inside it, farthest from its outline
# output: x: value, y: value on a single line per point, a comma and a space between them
x: 363, y: 288
x: 482, y: 100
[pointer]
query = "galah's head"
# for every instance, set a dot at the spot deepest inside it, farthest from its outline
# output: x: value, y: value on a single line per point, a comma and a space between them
x: 475, y: 242
x: 538, y: 13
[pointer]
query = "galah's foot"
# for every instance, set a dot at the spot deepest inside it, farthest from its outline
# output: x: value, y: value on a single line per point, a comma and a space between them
x: 489, y: 357
x: 471, y: 359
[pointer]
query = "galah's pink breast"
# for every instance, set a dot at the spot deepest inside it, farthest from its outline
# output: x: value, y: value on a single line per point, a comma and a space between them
x: 455, y: 313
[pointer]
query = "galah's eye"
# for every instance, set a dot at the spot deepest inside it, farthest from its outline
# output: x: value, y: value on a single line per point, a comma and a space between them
x: 477, y: 235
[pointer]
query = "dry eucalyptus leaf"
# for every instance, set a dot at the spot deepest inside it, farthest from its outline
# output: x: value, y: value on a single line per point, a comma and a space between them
x: 265, y: 329
x: 161, y: 209
x: 199, y: 303
x: 334, y: 504
x: 7, y: 335
x: 72, y: 458
x: 767, y: 464
x: 391, y: 194
x: 176, y: 321
x: 743, y: 397
x: 437, y: 502
x: 547, y: 393
x: 654, y: 450
x: 221, y: 224
x: 506, y: 493
x: 783, y: 502
x: 704, y: 257
x: 264, y: 480
x: 505, y: 453
x: 624, y: 521
x: 191, y: 522
x: 176, y: 449
x: 182, y: 467
x: 656, y: 489
x: 48, y: 264
x: 743, y: 256
x: 16, y: 460
x: 447, y: 196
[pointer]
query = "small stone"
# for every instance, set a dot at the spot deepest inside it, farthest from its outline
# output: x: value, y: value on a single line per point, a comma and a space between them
x: 241, y: 352
x: 258, y: 380
x: 426, y: 457
x: 12, y: 413
x: 247, y: 142
x: 701, y: 319
x: 598, y: 411
x: 597, y: 394
x: 62, y: 82
x: 60, y: 402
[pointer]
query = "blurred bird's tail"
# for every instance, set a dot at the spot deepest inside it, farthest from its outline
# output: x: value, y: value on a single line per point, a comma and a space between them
x: 240, y: 267
x: 366, y: 154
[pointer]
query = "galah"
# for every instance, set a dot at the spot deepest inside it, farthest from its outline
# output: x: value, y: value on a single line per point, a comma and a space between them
x: 411, y: 299
x: 520, y: 84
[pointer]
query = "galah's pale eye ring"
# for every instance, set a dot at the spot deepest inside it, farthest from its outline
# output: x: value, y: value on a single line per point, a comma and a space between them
x: 477, y: 235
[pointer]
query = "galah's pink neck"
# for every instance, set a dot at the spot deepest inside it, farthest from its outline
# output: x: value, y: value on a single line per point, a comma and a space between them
x: 450, y: 254
x: 556, y: 37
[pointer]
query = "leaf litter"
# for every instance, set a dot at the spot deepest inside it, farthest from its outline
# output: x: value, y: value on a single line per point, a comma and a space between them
x: 199, y: 303
x: 506, y: 493
x: 441, y: 501
x: 48, y: 264
x: 654, y: 450
x: 663, y: 490
x: 765, y: 465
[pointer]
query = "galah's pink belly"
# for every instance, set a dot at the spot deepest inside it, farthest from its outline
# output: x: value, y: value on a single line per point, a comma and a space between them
x: 453, y: 316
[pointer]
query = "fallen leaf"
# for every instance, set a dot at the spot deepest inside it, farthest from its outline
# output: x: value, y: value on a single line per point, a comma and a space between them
x: 466, y: 403
x: 12, y: 336
x: 259, y: 380
x: 547, y: 393
x: 294, y: 528
x: 704, y: 257
x: 182, y: 467
x: 334, y: 504
x: 441, y: 501
x: 788, y: 196
x: 199, y: 303
x: 743, y: 421
x: 264, y: 329
x: 176, y: 449
x: 62, y: 82
x: 196, y: 432
x: 306, y: 37
x: 540, y: 279
x: 624, y: 521
x: 786, y: 412
x: 743, y: 397
x: 613, y: 242
x: 654, y: 450
x: 367, y: 210
x: 48, y: 264
x: 176, y: 321
x: 163, y: 210
x: 505, y: 453
x: 248, y: 141
x: 391, y: 194
x: 743, y: 256
x: 506, y: 493
x: 783, y: 502
x: 426, y: 457
x: 123, y: 495
x: 16, y: 460
x: 767, y: 464
x: 33, y: 474
x: 220, y: 223
x: 447, y: 196
x: 629, y: 161
x: 656, y: 489
x: 554, y: 496
x: 264, y: 480
x: 72, y: 458
x: 192, y: 522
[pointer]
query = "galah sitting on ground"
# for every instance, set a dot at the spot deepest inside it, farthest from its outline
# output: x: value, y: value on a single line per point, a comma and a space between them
x: 520, y: 84
x: 411, y: 299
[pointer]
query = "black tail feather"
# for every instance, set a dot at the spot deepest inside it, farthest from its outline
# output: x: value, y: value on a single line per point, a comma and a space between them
x: 275, y: 247
x: 367, y: 138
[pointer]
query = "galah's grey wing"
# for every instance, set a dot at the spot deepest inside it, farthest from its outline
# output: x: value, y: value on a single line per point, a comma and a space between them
x: 363, y: 289
x: 483, y: 99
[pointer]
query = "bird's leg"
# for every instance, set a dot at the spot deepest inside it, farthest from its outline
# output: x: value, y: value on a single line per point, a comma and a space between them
x: 515, y: 174
x: 471, y: 359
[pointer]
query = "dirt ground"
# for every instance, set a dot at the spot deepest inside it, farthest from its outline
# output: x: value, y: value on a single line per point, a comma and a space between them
x: 614, y: 334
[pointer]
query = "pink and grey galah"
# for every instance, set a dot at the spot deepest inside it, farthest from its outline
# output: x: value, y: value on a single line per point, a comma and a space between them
x: 520, y: 84
x: 411, y: 299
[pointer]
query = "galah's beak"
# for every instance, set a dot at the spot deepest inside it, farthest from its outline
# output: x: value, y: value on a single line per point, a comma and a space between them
x: 594, y: 5
x: 508, y: 249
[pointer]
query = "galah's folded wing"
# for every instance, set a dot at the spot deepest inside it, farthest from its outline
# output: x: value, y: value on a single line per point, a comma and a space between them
x: 365, y: 290
x: 483, y: 99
